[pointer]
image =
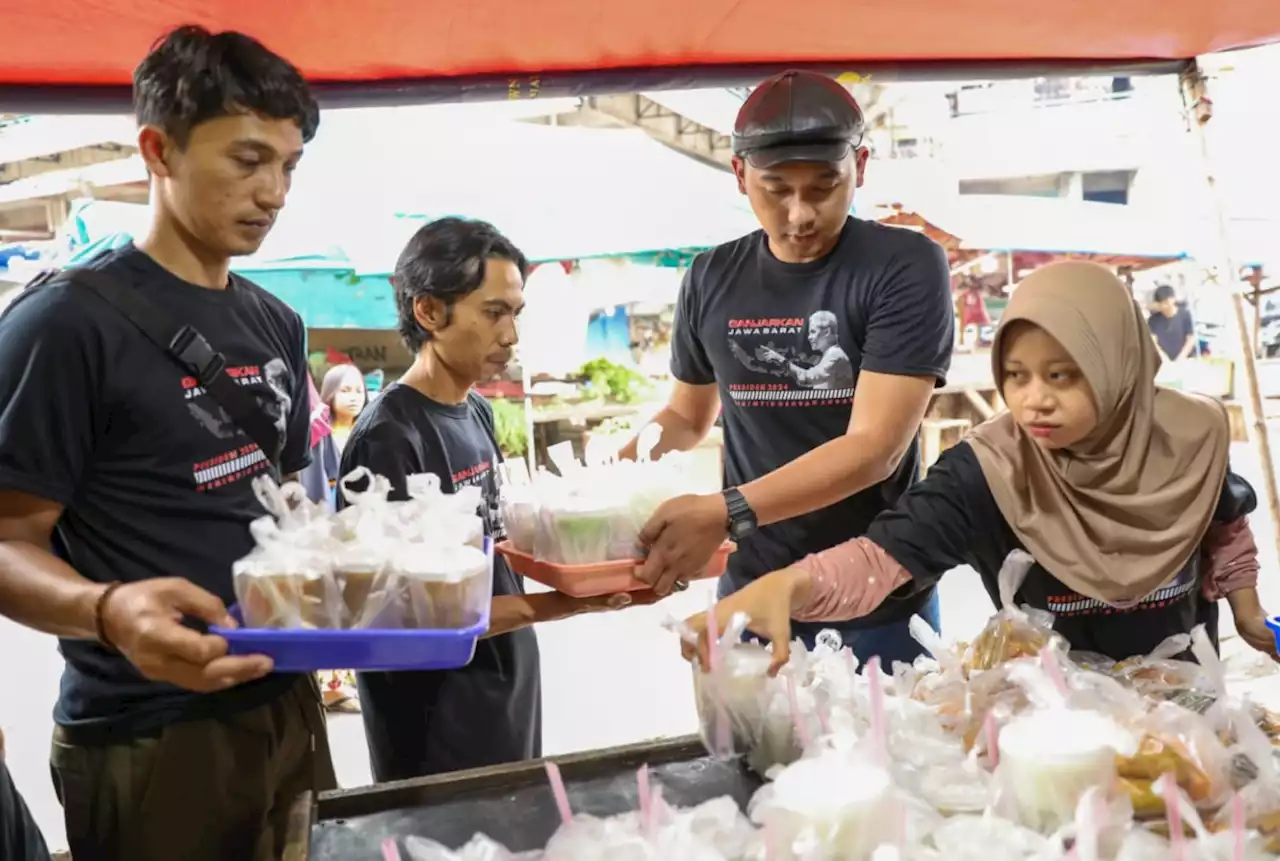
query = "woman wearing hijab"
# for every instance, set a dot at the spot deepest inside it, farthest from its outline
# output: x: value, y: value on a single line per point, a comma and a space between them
x: 1119, y: 489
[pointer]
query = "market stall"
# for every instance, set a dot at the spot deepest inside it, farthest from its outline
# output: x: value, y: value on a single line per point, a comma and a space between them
x: 440, y: 51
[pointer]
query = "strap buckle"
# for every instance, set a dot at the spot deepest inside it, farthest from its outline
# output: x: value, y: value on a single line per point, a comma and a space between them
x: 42, y: 278
x: 190, y: 348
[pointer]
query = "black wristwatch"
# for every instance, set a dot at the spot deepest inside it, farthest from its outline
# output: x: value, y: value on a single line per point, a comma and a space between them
x: 742, y: 520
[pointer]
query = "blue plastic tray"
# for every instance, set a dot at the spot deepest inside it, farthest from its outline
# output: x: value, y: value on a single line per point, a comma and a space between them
x: 296, y: 651
x: 1273, y: 622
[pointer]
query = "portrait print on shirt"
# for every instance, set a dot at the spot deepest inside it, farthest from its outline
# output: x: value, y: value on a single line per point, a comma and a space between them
x: 800, y: 361
x: 270, y: 385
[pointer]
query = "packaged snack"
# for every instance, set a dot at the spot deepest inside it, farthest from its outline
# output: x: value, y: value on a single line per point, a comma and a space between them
x: 1013, y: 632
x: 1174, y: 740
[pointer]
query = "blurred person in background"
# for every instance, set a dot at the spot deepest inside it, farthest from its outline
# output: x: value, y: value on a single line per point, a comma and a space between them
x: 1172, y: 328
x: 320, y: 480
x: 343, y: 392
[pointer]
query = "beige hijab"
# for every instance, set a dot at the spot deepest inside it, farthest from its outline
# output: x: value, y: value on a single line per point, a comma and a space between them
x: 1119, y: 514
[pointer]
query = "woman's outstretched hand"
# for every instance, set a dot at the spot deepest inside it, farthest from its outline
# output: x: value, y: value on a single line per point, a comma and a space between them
x: 767, y: 603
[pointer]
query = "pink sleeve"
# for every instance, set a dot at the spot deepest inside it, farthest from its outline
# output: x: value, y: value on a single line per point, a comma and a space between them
x: 1230, y: 557
x: 848, y: 581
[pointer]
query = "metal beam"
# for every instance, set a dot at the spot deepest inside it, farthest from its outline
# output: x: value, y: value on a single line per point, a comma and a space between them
x: 666, y: 126
x: 59, y: 99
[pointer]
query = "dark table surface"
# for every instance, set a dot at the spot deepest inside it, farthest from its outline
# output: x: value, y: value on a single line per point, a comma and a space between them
x: 513, y: 804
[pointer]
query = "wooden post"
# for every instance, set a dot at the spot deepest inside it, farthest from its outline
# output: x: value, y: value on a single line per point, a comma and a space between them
x: 1254, y: 279
x: 1199, y: 112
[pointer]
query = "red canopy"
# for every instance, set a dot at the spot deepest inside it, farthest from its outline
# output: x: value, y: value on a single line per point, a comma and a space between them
x: 94, y: 43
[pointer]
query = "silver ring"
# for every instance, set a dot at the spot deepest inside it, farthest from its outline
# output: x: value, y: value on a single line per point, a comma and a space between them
x: 681, y: 585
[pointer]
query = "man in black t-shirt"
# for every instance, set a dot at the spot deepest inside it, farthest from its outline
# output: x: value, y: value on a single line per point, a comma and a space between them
x: 125, y: 490
x: 1171, y: 326
x: 459, y: 288
x: 820, y: 339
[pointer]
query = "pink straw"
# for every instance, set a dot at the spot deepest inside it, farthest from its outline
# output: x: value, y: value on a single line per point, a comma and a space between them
x: 1173, y: 811
x: 875, y: 689
x: 1237, y: 827
x: 723, y: 732
x: 560, y: 793
x: 646, y: 799
x: 659, y: 804
x: 713, y: 638
x: 993, y: 739
x: 1052, y: 669
x: 390, y: 852
x: 797, y: 719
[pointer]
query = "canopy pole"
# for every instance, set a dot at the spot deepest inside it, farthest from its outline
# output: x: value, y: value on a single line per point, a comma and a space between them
x: 1199, y: 110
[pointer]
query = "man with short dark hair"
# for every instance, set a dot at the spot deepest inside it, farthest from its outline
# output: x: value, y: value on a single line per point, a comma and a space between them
x: 125, y: 476
x: 459, y: 288
x: 822, y: 338
x: 1171, y: 325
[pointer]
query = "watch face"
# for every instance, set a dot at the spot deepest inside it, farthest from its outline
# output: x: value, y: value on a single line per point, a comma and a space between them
x: 741, y: 529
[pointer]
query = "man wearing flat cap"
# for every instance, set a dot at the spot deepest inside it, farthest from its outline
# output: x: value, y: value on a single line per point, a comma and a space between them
x: 819, y: 339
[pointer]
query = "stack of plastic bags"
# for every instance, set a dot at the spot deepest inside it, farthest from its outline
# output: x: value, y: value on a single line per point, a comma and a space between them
x: 591, y: 514
x: 1004, y: 749
x: 420, y: 564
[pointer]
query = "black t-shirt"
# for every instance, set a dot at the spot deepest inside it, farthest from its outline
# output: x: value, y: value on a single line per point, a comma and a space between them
x: 153, y: 477
x: 1171, y: 332
x: 951, y: 519
x: 785, y: 344
x: 490, y: 711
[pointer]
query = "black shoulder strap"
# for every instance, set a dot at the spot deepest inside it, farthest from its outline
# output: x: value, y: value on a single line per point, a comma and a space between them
x: 188, y: 348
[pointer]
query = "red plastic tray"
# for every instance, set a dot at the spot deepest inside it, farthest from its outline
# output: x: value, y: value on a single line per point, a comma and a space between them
x: 605, y: 578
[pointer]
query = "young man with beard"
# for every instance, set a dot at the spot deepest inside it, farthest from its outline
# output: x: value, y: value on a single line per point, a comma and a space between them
x: 459, y: 288
x: 125, y: 469
x: 821, y: 337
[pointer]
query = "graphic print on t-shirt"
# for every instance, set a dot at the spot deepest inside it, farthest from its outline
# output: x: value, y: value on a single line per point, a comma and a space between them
x: 247, y: 460
x: 1073, y: 604
x: 481, y: 475
x: 800, y: 361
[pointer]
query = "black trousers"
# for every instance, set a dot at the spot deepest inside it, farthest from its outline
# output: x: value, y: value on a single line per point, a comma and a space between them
x: 20, y: 839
